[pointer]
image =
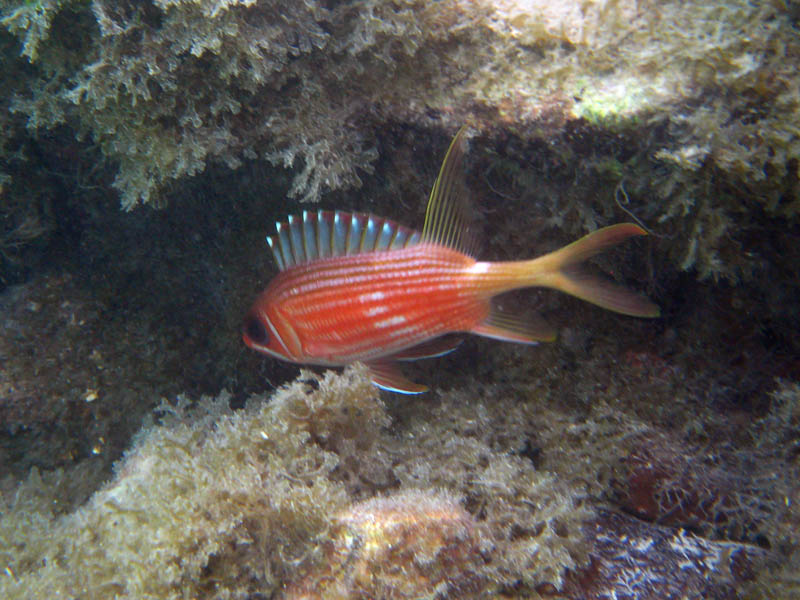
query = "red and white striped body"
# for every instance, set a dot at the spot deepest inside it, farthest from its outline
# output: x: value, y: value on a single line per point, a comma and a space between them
x: 338, y: 310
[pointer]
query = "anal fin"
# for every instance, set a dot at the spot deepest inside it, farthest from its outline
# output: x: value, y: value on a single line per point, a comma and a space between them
x: 385, y: 375
x: 513, y: 328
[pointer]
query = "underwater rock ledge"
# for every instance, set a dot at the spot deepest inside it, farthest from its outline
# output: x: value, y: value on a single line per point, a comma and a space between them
x: 697, y: 102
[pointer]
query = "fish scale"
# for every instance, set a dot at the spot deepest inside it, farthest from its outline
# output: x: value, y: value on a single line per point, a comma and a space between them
x: 353, y: 286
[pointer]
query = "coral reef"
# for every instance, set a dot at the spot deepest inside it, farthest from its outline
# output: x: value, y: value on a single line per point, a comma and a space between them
x: 628, y: 459
x: 166, y: 87
x: 81, y: 366
x: 533, y: 520
x: 725, y: 493
x: 68, y: 377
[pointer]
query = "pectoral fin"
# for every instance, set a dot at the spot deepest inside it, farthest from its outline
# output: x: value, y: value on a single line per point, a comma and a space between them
x: 385, y: 375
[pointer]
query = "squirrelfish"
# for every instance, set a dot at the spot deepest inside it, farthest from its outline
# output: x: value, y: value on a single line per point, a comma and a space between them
x: 355, y: 287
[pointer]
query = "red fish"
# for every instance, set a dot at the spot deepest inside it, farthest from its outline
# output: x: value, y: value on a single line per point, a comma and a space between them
x: 355, y: 287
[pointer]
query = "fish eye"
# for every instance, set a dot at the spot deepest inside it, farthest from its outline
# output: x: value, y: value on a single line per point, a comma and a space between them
x: 255, y: 330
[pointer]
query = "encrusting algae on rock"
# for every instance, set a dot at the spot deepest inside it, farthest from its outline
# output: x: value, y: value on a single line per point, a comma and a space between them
x: 413, y: 544
x: 211, y: 503
x: 215, y: 503
x: 220, y: 504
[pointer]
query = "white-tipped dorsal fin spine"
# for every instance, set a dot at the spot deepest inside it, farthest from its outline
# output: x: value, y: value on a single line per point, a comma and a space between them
x: 276, y: 252
x: 322, y: 234
x: 446, y: 221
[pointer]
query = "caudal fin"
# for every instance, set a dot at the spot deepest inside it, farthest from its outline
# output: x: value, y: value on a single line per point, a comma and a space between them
x: 562, y: 270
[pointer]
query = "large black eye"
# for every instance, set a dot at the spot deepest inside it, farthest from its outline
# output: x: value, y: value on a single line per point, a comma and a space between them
x: 256, y: 331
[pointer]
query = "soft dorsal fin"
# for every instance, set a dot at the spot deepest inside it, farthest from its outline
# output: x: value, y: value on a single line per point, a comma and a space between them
x: 446, y: 218
x: 324, y: 233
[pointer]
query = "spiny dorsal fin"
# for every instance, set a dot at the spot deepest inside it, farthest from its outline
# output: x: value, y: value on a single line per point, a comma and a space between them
x: 324, y: 233
x: 446, y: 218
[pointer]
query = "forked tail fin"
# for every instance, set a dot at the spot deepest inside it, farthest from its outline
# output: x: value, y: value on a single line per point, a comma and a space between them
x: 561, y: 270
